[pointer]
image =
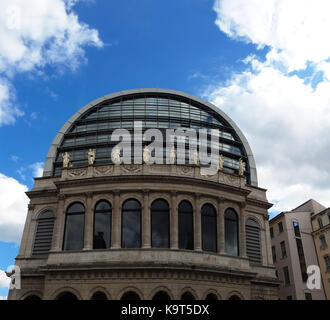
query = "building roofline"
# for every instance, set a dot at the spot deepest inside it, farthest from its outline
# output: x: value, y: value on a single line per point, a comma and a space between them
x: 48, y: 169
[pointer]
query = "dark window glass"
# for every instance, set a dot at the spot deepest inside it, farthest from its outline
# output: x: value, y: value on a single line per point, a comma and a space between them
x: 319, y: 220
x: 209, y: 228
x: 67, y: 296
x: 327, y: 262
x: 253, y: 244
x: 283, y: 249
x: 296, y: 228
x: 44, y: 233
x: 130, y: 295
x: 161, y: 295
x: 160, y: 224
x: 286, y: 276
x: 32, y: 298
x: 102, y: 225
x: 187, y: 296
x: 302, y: 260
x: 323, y: 242
x: 74, y: 227
x: 280, y: 227
x: 231, y: 232
x: 131, y: 224
x: 211, y: 296
x: 308, y: 296
x: 186, y: 226
x: 274, y: 253
x: 99, y: 296
x: 289, y: 298
x: 271, y: 230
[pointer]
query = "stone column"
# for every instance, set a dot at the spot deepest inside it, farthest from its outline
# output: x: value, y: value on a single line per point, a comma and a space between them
x: 242, y: 238
x: 146, y: 228
x: 58, y: 234
x: 24, y: 248
x: 116, y: 223
x: 174, y: 222
x: 197, y: 224
x: 221, y: 226
x: 89, y: 217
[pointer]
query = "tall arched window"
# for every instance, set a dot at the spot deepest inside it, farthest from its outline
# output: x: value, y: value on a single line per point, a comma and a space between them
x: 209, y: 228
x: 231, y: 232
x: 102, y: 225
x: 44, y: 233
x: 253, y: 245
x: 131, y: 224
x: 160, y: 224
x: 74, y: 227
x: 186, y: 226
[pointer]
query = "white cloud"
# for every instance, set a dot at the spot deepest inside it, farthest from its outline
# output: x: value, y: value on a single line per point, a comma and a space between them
x: 37, y: 169
x: 295, y: 30
x: 4, y: 280
x: 37, y: 33
x: 285, y: 119
x: 3, y: 298
x: 13, y: 208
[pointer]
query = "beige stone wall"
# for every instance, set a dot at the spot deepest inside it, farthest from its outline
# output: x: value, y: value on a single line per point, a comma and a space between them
x: 146, y: 183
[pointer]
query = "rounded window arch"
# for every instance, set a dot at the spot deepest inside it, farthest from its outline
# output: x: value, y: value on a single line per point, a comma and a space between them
x: 186, y: 225
x: 131, y: 224
x: 130, y: 295
x: 211, y: 296
x: 253, y: 243
x: 32, y: 297
x: 74, y: 227
x: 209, y: 228
x: 67, y: 296
x: 99, y: 295
x: 44, y: 233
x: 161, y: 295
x: 160, y: 224
x: 234, y: 297
x: 231, y: 232
x: 187, y: 296
x: 102, y: 225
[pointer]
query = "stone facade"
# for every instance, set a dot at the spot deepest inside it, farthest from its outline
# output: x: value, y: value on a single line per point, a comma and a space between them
x: 146, y: 270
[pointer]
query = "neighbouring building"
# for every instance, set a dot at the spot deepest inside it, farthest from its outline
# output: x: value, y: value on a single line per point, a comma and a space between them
x: 293, y: 250
x: 97, y: 229
x: 321, y: 234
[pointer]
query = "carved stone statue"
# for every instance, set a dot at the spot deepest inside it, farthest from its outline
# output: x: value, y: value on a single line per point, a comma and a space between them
x: 115, y: 155
x: 146, y: 155
x: 91, y: 156
x: 66, y: 160
x: 241, y: 167
x: 221, y: 162
x: 173, y: 155
x: 196, y: 158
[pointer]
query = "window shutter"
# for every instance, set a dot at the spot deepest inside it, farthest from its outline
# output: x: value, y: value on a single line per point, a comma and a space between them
x: 253, y: 245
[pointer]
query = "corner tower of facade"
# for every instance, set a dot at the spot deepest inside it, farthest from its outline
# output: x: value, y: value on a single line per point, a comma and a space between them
x: 98, y: 229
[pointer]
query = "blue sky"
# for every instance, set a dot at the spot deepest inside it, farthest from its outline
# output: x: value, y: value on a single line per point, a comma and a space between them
x: 229, y: 53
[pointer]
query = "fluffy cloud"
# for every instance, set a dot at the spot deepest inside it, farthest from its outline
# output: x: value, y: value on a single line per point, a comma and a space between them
x: 37, y: 169
x: 37, y: 33
x: 295, y: 30
x: 4, y: 281
x: 285, y: 118
x: 3, y: 298
x: 13, y: 208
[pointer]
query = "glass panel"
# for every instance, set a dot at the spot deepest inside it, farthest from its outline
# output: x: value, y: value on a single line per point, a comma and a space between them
x: 160, y: 224
x: 231, y: 232
x: 186, y: 226
x: 102, y: 225
x: 209, y: 228
x: 131, y: 224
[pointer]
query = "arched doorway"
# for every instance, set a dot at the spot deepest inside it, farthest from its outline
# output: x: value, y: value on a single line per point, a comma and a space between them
x: 99, y: 295
x: 32, y: 297
x: 211, y: 296
x: 161, y: 295
x: 130, y: 295
x: 188, y: 296
x: 67, y: 296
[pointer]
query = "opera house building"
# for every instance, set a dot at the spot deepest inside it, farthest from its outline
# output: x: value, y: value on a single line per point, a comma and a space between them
x: 141, y: 220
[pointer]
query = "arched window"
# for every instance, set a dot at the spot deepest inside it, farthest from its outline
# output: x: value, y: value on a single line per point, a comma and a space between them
x: 188, y: 296
x: 131, y: 224
x: 209, y: 228
x: 99, y: 295
x: 186, y: 226
x: 32, y: 297
x: 161, y: 295
x: 130, y: 295
x: 74, y: 227
x: 44, y: 233
x: 211, y: 296
x: 160, y: 224
x: 231, y: 232
x: 102, y: 225
x: 253, y: 245
x: 67, y: 296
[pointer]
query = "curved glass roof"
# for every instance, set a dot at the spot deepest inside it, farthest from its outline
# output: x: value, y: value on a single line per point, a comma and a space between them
x: 92, y: 128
